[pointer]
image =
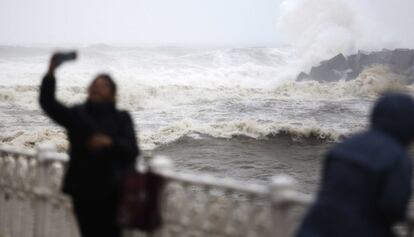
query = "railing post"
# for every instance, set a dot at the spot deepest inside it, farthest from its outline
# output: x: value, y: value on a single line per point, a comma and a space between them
x: 3, y: 204
x: 41, y: 190
x: 279, y: 190
x: 161, y: 165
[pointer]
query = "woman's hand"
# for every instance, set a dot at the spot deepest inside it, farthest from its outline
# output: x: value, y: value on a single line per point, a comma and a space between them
x: 54, y: 63
x: 99, y: 141
x: 60, y: 57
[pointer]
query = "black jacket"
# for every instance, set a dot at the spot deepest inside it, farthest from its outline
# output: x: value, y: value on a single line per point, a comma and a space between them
x: 366, y: 181
x: 92, y: 175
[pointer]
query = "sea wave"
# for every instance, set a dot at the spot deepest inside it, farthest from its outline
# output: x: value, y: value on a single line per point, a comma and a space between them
x: 21, y: 137
x: 370, y: 83
x: 247, y: 128
x: 150, y: 140
x: 175, y: 93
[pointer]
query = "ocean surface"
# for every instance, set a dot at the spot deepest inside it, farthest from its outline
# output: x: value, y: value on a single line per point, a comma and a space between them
x: 230, y: 112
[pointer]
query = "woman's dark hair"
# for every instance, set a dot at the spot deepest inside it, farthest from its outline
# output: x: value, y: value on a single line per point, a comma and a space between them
x: 109, y: 79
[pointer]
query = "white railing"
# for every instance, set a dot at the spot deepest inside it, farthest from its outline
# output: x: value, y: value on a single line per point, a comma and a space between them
x: 31, y: 204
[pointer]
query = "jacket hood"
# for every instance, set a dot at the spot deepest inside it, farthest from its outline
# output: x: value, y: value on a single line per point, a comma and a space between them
x: 393, y: 114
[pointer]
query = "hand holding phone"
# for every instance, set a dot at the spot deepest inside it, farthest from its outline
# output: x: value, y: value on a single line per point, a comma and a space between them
x: 60, y: 58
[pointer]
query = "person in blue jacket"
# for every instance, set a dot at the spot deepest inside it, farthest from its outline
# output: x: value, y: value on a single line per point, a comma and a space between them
x: 366, y: 180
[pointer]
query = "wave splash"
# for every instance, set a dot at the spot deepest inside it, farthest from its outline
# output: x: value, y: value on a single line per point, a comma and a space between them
x: 187, y: 128
x: 175, y: 93
x: 321, y: 29
x: 370, y: 83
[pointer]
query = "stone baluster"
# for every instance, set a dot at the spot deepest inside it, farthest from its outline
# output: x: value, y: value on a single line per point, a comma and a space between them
x: 160, y: 165
x: 30, y: 197
x: 281, y: 188
x: 42, y: 191
x: 10, y: 194
x: 18, y: 199
x: 3, y: 194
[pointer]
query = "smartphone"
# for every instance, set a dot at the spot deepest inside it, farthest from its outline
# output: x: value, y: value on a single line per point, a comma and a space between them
x: 66, y: 56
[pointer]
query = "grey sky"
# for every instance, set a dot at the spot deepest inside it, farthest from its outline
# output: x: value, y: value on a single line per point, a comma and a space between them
x: 217, y: 22
x: 191, y: 22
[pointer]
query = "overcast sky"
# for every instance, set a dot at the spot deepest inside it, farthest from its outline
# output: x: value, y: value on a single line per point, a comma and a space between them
x: 196, y: 22
x: 162, y: 22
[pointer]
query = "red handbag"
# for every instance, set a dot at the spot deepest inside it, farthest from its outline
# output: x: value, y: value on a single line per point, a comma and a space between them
x: 140, y: 203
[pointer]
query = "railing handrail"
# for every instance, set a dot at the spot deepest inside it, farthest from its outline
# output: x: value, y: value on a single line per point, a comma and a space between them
x: 209, y: 180
x: 30, y: 153
x: 279, y: 195
x: 292, y: 196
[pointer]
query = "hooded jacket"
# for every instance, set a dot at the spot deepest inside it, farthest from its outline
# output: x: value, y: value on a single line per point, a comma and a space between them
x: 92, y: 175
x: 366, y: 180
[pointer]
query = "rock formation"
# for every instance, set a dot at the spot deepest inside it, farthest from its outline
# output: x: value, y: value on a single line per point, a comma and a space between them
x: 400, y: 61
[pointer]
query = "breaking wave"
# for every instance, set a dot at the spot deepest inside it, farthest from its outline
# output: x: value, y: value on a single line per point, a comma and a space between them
x: 252, y: 129
x: 173, y: 93
x: 370, y: 83
x: 321, y: 29
x: 175, y: 131
x: 32, y: 138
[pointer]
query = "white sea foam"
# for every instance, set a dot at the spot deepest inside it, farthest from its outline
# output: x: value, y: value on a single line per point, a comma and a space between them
x: 175, y: 92
x: 22, y: 137
x: 149, y: 140
x: 251, y: 128
x: 321, y: 29
x: 370, y: 83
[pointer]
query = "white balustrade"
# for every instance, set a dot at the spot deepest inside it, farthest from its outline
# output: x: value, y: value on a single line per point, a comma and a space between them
x: 31, y: 204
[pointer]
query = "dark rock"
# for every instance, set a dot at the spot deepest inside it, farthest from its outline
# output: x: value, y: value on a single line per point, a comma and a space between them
x: 410, y: 75
x: 354, y: 69
x: 330, y: 70
x: 302, y: 76
x: 323, y: 73
x: 362, y: 59
x: 382, y: 57
x: 338, y: 63
x: 401, y: 59
x: 358, y: 62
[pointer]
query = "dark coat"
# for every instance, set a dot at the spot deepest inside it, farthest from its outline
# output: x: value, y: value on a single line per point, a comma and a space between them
x: 366, y: 180
x: 92, y: 174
